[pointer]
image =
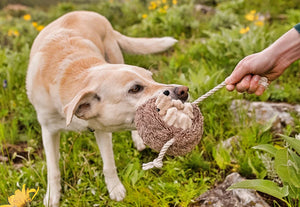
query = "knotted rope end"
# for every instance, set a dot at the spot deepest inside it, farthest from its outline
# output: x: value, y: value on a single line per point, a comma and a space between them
x: 154, y: 164
x: 158, y: 161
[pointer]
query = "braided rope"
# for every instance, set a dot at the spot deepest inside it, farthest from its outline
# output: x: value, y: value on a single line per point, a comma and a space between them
x: 209, y: 93
x: 158, y: 161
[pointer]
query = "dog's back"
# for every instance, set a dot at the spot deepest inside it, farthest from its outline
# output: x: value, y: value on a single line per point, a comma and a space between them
x: 78, y: 35
x: 93, y: 26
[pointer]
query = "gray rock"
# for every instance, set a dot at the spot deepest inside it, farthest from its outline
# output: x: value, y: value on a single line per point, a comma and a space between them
x: 221, y: 197
x: 3, y: 159
x: 204, y: 9
x: 276, y: 113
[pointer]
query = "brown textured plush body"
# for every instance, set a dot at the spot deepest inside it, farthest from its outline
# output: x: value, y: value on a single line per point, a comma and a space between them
x: 155, y: 132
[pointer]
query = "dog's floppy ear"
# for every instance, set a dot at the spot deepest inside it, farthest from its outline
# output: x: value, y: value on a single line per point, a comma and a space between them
x: 81, y: 106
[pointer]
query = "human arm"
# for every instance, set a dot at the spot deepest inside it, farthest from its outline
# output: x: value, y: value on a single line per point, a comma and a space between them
x: 270, y: 63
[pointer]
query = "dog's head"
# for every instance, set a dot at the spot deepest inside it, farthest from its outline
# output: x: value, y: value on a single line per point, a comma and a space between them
x: 113, y: 93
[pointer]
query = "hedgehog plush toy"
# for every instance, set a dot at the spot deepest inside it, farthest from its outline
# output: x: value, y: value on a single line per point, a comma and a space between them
x: 163, y: 120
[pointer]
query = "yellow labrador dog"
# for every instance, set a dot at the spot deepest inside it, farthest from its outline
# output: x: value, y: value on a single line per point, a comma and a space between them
x: 77, y: 80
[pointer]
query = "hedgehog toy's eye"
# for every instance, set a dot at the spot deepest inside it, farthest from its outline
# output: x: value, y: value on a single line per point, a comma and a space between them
x: 135, y: 89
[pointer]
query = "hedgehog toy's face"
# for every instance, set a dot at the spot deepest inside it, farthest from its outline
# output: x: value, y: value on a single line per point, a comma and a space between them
x: 174, y: 112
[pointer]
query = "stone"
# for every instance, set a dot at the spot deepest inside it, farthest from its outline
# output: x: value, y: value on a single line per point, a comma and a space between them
x: 3, y: 159
x: 204, y: 9
x: 221, y: 197
x: 16, y: 10
x: 263, y: 112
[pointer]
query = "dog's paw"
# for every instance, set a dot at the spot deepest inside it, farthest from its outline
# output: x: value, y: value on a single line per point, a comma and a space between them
x: 116, y: 189
x: 138, y: 141
x: 117, y: 193
x: 51, y: 201
x: 140, y: 146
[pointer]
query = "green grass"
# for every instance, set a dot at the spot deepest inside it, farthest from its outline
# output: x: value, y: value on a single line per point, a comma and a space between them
x: 209, y: 47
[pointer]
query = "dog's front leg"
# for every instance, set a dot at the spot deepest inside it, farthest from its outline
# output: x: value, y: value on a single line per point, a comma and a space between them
x: 138, y: 141
x: 116, y: 189
x: 51, y: 146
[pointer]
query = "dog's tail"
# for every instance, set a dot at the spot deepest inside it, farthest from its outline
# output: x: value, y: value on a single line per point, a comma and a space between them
x: 137, y: 45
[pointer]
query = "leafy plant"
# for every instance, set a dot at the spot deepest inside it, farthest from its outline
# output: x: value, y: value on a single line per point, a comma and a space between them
x: 287, y: 167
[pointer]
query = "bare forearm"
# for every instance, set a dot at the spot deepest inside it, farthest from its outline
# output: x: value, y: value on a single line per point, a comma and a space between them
x: 269, y: 63
x: 285, y: 50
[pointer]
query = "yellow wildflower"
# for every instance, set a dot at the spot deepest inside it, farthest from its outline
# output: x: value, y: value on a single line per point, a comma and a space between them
x: 10, y: 32
x: 153, y: 5
x: 251, y: 16
x: 259, y: 23
x: 13, y: 33
x: 164, y: 1
x: 35, y: 24
x: 162, y: 10
x: 27, y: 17
x: 144, y: 16
x: 244, y: 30
x: 40, y: 28
x: 235, y: 168
x: 16, y: 33
x: 21, y: 198
x: 174, y: 2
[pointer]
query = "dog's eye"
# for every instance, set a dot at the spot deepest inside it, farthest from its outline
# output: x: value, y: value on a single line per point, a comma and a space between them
x: 135, y: 89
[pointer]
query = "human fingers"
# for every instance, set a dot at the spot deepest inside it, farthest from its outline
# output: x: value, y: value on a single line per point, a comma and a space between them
x: 230, y: 87
x: 240, y: 71
x: 244, y: 84
x: 254, y: 83
x: 260, y: 90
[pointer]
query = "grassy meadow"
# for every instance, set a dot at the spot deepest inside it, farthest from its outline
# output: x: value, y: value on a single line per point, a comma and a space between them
x: 209, y: 46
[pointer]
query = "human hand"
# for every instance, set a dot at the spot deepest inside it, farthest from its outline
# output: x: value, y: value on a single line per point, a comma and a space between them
x: 248, y: 72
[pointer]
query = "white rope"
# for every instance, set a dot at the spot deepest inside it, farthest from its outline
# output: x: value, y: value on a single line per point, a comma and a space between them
x: 158, y: 161
x: 209, y: 93
x: 263, y: 81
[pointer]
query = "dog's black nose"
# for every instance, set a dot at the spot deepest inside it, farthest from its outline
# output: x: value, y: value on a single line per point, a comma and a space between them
x: 182, y: 92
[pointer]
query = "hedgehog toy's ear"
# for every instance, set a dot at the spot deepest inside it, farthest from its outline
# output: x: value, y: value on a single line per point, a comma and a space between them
x: 82, y: 106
